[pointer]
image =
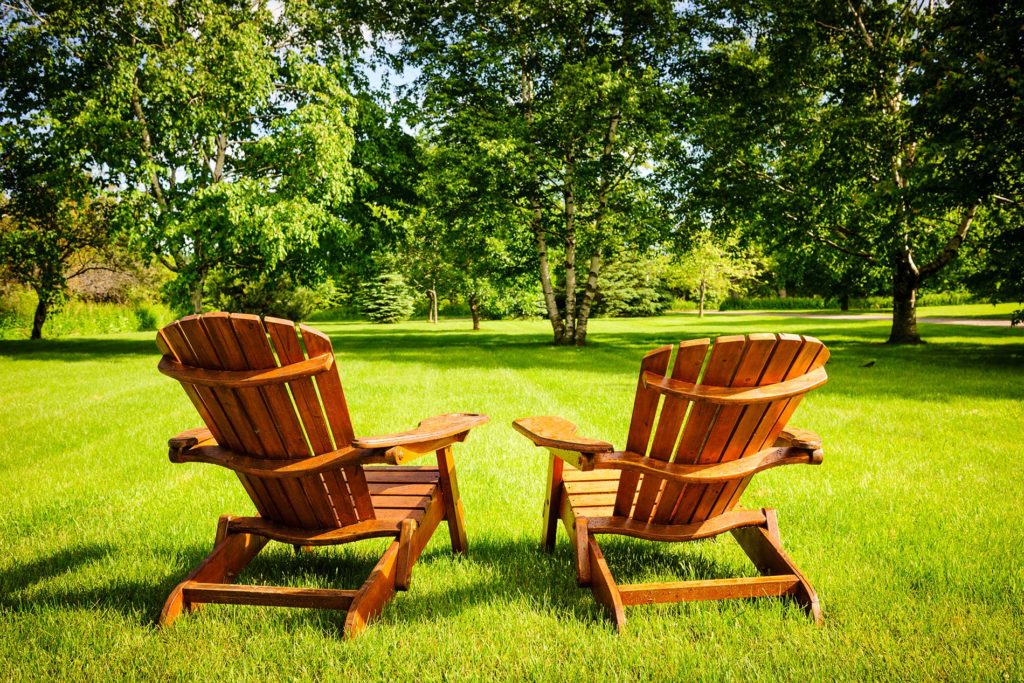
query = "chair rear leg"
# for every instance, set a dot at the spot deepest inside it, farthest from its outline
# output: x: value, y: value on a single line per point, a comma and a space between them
x: 231, y: 553
x: 764, y: 548
x: 452, y: 502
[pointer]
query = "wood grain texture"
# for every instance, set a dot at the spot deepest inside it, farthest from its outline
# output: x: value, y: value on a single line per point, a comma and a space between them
x: 277, y: 416
x: 727, y: 410
x: 431, y: 429
x: 559, y: 433
x: 645, y: 407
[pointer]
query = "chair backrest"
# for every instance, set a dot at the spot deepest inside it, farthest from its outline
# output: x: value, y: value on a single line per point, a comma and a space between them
x: 702, y: 432
x: 300, y: 418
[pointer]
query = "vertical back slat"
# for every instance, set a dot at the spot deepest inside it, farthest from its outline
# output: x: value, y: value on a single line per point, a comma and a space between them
x: 214, y: 341
x: 726, y: 353
x: 645, y: 406
x: 336, y: 408
x: 238, y: 435
x: 723, y: 428
x: 750, y: 422
x: 286, y: 341
x: 812, y: 355
x: 308, y: 494
x: 686, y: 368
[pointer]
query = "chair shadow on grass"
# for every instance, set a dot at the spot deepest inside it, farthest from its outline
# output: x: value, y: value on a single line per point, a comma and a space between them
x: 25, y: 586
x: 503, y: 571
x: 511, y: 570
x: 518, y: 571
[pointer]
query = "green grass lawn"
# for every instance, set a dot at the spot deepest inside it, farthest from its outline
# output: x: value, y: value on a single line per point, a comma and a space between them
x: 911, y: 531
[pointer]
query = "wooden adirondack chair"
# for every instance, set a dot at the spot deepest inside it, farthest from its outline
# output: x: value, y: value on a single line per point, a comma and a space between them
x: 727, y: 410
x: 277, y: 417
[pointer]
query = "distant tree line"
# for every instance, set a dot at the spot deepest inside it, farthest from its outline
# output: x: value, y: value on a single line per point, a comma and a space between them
x: 560, y: 159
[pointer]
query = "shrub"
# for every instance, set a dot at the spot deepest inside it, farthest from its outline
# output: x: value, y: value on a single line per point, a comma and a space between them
x: 630, y: 289
x: 387, y: 299
x: 274, y: 294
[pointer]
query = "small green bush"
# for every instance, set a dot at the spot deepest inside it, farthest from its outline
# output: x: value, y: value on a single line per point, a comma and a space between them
x: 387, y: 299
x: 630, y: 289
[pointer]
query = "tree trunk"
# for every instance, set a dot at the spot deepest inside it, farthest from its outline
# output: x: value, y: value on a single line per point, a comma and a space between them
x: 432, y: 313
x: 703, y: 290
x: 557, y: 326
x: 590, y: 293
x: 39, y: 319
x: 197, y: 296
x: 906, y: 281
x: 474, y: 309
x: 844, y: 301
x: 569, y: 263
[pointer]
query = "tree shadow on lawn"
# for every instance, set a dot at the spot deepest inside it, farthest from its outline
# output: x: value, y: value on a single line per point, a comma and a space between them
x: 518, y: 572
x: 77, y: 349
x: 914, y: 372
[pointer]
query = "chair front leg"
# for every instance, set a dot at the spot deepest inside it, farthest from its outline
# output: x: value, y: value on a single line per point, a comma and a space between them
x: 452, y: 502
x: 552, y: 502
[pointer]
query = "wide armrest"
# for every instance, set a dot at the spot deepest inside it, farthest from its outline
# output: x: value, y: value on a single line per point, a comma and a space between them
x: 277, y: 468
x: 558, y: 433
x: 189, y: 439
x: 736, y: 395
x: 434, y: 429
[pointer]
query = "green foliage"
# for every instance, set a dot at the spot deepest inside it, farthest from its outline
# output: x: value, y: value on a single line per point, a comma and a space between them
x: 77, y: 317
x: 631, y: 288
x: 275, y: 294
x: 844, y: 138
x: 226, y: 125
x: 550, y: 117
x: 712, y: 268
x: 387, y: 299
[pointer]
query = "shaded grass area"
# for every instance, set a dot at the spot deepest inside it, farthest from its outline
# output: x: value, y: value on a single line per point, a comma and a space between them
x: 910, y: 530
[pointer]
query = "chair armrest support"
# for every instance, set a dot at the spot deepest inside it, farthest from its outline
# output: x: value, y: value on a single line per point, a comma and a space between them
x: 707, y: 474
x: 283, y: 468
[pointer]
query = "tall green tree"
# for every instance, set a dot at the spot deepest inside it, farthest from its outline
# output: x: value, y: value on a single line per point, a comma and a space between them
x: 710, y: 268
x: 227, y: 124
x: 829, y: 120
x: 565, y: 107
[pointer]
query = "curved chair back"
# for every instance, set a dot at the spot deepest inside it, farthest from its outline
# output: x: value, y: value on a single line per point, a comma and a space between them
x: 261, y: 396
x: 705, y: 419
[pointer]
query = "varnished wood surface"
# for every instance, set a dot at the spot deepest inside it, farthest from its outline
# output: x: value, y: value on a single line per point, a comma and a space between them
x: 739, y: 395
x: 279, y: 419
x: 697, y: 434
x: 431, y: 429
x: 242, y: 379
x: 712, y: 589
x: 556, y: 432
x: 271, y: 596
x: 710, y: 473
